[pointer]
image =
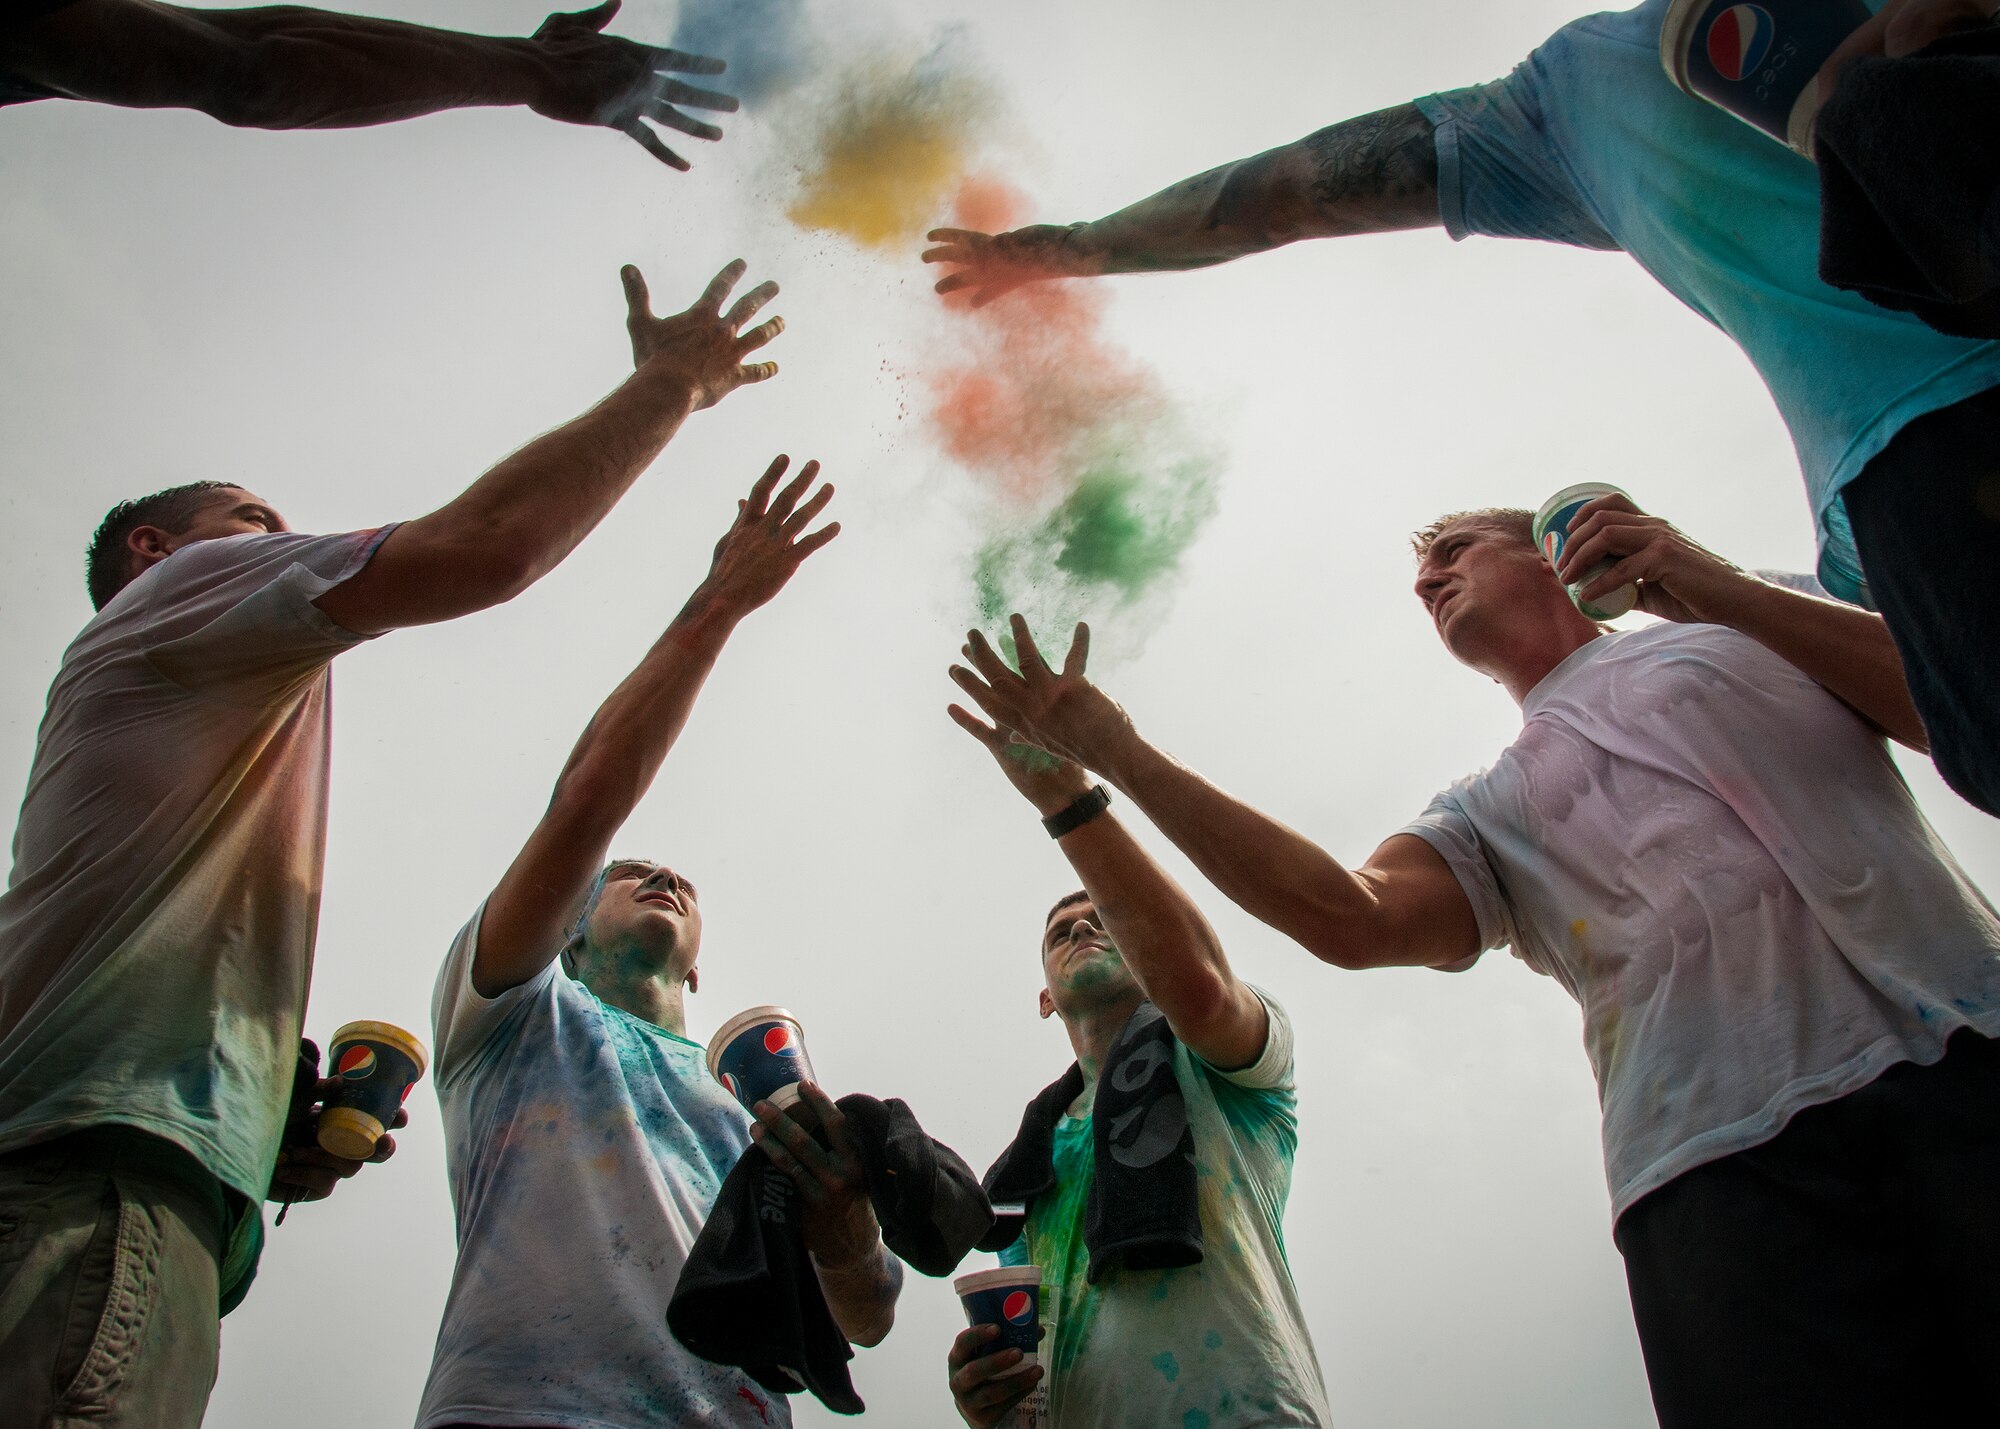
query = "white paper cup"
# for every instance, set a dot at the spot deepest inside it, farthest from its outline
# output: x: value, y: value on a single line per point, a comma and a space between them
x: 1551, y: 531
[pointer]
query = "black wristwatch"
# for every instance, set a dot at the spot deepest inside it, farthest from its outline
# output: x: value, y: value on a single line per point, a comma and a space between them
x: 1087, y: 807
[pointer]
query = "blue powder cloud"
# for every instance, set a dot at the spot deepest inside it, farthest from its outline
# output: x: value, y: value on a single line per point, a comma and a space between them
x: 769, y: 44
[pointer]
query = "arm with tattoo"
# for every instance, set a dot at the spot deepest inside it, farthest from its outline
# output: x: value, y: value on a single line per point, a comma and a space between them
x: 1373, y: 174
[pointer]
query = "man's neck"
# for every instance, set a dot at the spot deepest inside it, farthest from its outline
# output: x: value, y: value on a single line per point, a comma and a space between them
x: 1529, y: 666
x: 1092, y: 1031
x: 650, y: 998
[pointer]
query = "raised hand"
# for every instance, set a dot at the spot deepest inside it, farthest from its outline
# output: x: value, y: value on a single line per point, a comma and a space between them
x: 1064, y: 715
x: 985, y: 1386
x: 1049, y: 783
x: 1678, y: 580
x: 588, y: 77
x: 764, y: 546
x: 703, y: 345
x: 992, y: 265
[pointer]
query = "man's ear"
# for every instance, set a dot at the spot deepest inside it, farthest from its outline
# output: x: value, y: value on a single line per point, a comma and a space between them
x: 1047, y: 1004
x: 149, y: 544
x: 694, y: 980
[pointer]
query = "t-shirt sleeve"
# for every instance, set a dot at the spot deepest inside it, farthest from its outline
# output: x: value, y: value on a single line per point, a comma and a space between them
x: 463, y: 1023
x: 1500, y: 170
x: 1274, y: 1069
x: 236, y: 618
x: 1446, y: 828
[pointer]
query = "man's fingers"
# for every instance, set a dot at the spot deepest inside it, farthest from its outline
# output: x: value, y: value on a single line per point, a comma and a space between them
x: 638, y: 305
x: 385, y: 1147
x: 663, y: 113
x: 803, y: 517
x: 952, y: 282
x: 756, y: 372
x: 684, y: 63
x: 672, y: 91
x: 794, y: 489
x: 760, y: 334
x: 1633, y: 568
x: 1027, y: 654
x: 718, y: 288
x: 832, y: 1119
x: 1003, y: 1391
x: 946, y: 253
x: 749, y: 305
x: 971, y: 237
x: 819, y: 538
x: 654, y: 145
x: 1079, y: 653
x: 986, y: 660
x: 760, y: 492
x: 987, y: 734
x: 596, y: 17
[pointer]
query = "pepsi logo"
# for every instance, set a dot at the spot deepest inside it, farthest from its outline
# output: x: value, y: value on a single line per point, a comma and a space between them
x: 1739, y: 39
x: 781, y: 1041
x: 356, y: 1062
x: 1551, y: 545
x: 1018, y: 1308
x: 731, y: 1085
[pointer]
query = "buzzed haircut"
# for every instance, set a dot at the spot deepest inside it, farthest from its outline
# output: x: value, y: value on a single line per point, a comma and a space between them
x: 105, y: 567
x: 1511, y: 520
x: 1080, y: 896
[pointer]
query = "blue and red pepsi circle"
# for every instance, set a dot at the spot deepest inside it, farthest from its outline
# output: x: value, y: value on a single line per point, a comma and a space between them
x: 760, y: 1055
x: 1011, y: 1298
x: 1757, y: 60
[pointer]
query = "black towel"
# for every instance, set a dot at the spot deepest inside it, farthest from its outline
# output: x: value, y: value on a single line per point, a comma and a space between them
x: 748, y: 1295
x: 1909, y: 167
x: 1141, y: 1213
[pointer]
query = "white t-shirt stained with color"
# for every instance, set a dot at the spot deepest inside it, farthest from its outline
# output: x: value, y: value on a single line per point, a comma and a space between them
x: 1720, y: 862
x: 585, y: 1148
x: 156, y: 935
x: 1218, y: 1345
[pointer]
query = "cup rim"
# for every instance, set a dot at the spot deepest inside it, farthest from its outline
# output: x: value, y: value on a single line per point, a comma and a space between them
x: 404, y: 1041
x: 974, y: 1281
x: 749, y: 1016
x: 1585, y: 489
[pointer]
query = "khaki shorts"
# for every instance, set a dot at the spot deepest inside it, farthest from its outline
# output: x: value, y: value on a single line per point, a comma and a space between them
x: 108, y: 1284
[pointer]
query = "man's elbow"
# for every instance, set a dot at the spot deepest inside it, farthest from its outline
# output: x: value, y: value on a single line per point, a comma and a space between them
x: 875, y: 1329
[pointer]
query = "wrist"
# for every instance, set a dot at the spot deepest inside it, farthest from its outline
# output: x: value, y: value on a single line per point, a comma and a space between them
x: 670, y: 393
x: 708, y: 619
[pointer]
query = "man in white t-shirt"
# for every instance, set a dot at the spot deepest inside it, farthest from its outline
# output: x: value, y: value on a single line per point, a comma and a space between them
x: 156, y: 935
x: 585, y: 1137
x: 1789, y: 988
x: 1204, y: 1328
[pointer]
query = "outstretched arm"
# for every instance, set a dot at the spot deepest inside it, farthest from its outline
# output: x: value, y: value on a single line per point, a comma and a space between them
x: 517, y: 523
x: 1372, y: 174
x: 1402, y: 908
x: 1847, y: 650
x: 1155, y: 925
x: 614, y: 763
x: 289, y: 67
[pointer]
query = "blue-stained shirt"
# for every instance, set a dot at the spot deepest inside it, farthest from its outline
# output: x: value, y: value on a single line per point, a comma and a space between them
x: 585, y: 1148
x: 1588, y: 142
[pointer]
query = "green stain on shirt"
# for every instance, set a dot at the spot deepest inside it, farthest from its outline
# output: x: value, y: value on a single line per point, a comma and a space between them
x: 1168, y: 1366
x: 1194, y: 1419
x: 1211, y: 1341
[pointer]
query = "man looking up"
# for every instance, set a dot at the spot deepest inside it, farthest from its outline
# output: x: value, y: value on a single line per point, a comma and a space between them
x: 156, y: 935
x: 1789, y: 990
x: 585, y: 1136
x: 1588, y: 143
x: 290, y: 67
x: 1220, y: 1342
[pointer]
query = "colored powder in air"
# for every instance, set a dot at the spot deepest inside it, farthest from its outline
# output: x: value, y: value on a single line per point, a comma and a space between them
x: 770, y: 44
x: 888, y: 148
x: 1099, y: 487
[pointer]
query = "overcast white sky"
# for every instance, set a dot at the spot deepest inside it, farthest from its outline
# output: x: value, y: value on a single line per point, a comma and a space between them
x: 356, y: 324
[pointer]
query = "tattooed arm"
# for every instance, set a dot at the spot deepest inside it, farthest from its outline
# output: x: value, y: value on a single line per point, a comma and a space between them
x: 1373, y: 174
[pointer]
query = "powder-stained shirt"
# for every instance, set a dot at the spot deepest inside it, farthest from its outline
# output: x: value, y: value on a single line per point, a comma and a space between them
x: 1588, y: 142
x: 1217, y: 1345
x: 156, y: 935
x: 1720, y: 862
x: 585, y: 1147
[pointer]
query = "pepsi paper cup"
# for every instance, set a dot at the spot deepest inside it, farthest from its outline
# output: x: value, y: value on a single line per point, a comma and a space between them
x: 1552, y: 534
x: 1758, y: 61
x: 377, y: 1064
x: 1010, y: 1297
x: 760, y: 1055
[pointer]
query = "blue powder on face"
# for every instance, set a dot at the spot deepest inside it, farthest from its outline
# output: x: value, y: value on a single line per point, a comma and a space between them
x: 769, y: 44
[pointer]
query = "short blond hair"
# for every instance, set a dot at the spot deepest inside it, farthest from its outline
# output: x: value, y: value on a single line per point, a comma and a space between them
x: 1511, y: 520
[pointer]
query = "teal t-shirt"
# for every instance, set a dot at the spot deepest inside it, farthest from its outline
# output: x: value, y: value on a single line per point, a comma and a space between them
x: 1218, y: 1345
x: 1589, y: 143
